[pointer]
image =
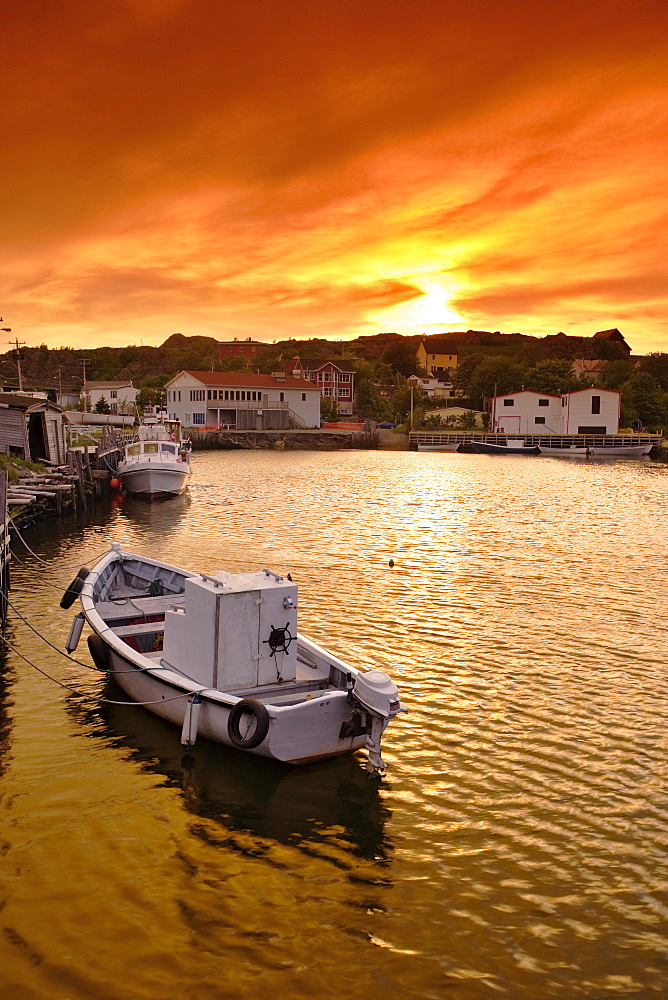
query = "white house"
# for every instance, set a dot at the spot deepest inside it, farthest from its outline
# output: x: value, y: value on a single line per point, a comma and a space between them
x: 586, y: 411
x: 243, y: 400
x: 435, y: 386
x: 120, y: 396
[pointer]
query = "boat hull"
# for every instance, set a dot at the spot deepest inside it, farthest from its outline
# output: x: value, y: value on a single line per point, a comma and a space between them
x: 154, y: 481
x: 299, y: 734
x: 487, y: 448
x: 621, y: 451
x: 440, y: 447
x: 575, y: 452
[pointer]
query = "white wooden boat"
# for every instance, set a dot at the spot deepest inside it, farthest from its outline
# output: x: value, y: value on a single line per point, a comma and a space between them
x: 620, y: 451
x: 573, y: 451
x: 157, y: 464
x: 221, y: 657
x: 446, y: 446
x: 511, y: 447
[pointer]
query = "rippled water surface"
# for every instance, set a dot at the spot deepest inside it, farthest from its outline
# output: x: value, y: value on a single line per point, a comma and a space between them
x: 517, y: 845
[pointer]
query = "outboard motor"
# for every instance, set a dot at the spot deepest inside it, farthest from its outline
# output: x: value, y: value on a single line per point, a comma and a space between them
x: 377, y: 694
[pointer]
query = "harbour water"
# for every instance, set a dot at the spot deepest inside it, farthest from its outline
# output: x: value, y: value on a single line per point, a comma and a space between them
x: 517, y: 845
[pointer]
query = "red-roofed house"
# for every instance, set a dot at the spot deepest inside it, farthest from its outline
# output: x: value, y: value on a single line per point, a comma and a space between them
x: 243, y: 400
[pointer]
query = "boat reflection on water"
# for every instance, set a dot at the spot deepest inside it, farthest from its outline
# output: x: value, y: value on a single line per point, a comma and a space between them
x: 299, y: 806
x: 158, y: 518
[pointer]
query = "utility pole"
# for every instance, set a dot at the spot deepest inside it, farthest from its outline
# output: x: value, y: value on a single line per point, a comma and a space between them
x: 18, y: 347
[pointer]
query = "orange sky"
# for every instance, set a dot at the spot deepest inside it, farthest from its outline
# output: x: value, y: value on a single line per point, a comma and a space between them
x: 332, y: 169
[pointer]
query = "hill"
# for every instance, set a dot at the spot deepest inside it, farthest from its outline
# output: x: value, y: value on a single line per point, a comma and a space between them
x: 65, y: 368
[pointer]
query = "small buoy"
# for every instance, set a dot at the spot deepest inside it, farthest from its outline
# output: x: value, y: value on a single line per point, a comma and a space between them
x: 115, y: 483
x: 391, y: 563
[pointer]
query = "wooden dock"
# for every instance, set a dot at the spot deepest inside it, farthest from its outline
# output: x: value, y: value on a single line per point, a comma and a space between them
x: 464, y: 439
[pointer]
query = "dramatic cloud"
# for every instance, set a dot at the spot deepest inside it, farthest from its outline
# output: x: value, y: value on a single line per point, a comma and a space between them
x: 333, y: 169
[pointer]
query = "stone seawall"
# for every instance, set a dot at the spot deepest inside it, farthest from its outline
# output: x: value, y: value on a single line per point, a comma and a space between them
x: 285, y: 440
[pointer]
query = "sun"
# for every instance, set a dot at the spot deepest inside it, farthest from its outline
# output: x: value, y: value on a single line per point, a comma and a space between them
x: 422, y: 314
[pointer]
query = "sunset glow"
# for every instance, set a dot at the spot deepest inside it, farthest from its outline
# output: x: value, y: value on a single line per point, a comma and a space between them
x: 333, y: 170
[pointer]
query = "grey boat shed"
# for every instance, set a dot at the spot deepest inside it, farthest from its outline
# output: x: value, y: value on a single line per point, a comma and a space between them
x: 32, y: 427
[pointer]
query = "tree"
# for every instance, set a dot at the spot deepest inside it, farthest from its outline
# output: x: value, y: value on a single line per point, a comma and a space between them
x: 614, y: 374
x: 102, y: 406
x: 553, y: 377
x: 496, y: 377
x: 369, y: 403
x: 328, y: 409
x: 643, y: 400
x: 464, y: 373
x: 656, y: 365
x: 401, y: 356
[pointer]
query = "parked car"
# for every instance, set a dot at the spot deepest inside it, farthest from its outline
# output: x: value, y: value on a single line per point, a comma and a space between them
x: 387, y: 424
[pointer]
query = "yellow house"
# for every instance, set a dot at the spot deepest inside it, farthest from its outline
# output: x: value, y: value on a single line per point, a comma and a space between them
x: 437, y: 354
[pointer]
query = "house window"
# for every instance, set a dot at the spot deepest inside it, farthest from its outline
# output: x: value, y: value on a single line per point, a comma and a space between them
x: 595, y: 404
x: 539, y: 420
x: 281, y: 397
x: 303, y: 397
x: 187, y: 419
x: 563, y: 400
x: 198, y: 418
x: 114, y: 394
x: 592, y: 430
x: 327, y: 391
x: 344, y: 377
x: 543, y: 402
x: 344, y: 393
x: 509, y: 402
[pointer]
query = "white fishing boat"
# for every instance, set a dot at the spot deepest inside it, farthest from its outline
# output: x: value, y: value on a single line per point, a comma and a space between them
x: 220, y: 656
x: 157, y: 464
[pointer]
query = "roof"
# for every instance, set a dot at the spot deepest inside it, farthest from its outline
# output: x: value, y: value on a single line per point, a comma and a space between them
x: 613, y: 334
x: 313, y: 365
x: 248, y: 380
x: 247, y: 340
x: 439, y: 345
x: 17, y: 400
x: 593, y: 388
x: 126, y: 384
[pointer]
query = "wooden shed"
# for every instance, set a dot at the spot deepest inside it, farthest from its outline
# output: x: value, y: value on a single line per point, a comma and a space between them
x: 13, y: 423
x: 46, y: 432
x: 32, y: 428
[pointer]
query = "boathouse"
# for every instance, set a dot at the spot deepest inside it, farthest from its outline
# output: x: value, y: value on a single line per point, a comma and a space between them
x: 585, y: 411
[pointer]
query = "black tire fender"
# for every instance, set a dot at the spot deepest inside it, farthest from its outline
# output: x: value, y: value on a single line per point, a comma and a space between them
x: 99, y: 652
x: 74, y: 589
x: 245, y: 707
